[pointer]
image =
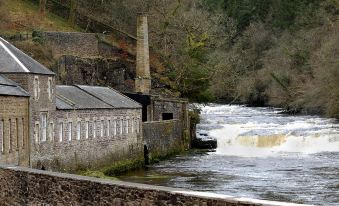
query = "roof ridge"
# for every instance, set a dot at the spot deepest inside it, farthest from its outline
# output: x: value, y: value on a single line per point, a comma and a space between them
x: 79, y: 87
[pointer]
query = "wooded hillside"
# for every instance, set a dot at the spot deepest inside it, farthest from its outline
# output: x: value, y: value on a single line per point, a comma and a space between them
x: 280, y: 53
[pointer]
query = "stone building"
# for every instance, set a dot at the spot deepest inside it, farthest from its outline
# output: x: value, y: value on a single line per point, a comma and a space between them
x: 71, y: 127
x: 67, y: 127
x: 14, y: 145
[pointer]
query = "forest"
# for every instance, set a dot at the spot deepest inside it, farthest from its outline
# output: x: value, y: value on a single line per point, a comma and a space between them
x: 281, y: 53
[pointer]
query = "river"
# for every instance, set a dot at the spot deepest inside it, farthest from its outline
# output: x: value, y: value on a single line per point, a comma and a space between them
x: 261, y: 154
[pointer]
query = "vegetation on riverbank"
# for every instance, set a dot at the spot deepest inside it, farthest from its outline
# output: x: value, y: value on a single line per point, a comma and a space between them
x: 110, y: 172
x: 264, y: 53
x: 279, y: 53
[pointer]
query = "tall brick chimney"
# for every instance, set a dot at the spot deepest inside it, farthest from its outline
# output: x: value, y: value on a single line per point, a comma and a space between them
x: 143, y: 74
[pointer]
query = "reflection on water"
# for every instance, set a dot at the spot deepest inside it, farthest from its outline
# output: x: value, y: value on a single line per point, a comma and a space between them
x: 261, y: 154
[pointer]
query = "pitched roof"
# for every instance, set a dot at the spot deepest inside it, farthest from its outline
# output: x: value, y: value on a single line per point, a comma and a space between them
x: 10, y: 88
x: 91, y: 97
x: 12, y: 60
x: 74, y: 98
x: 110, y: 96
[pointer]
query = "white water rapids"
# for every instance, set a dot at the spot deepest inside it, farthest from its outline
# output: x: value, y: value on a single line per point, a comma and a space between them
x: 261, y: 154
x: 249, y: 132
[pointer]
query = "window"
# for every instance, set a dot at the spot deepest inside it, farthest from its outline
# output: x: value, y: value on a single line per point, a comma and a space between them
x: 121, y: 126
x: 2, y: 135
x: 133, y: 125
x: 167, y: 116
x: 17, y: 133
x: 78, y: 130
x: 69, y: 131
x: 10, y: 135
x: 36, y: 132
x: 61, y: 132
x: 36, y: 87
x: 126, y: 125
x: 102, y: 128
x: 94, y: 129
x: 23, y: 133
x: 43, y: 123
x: 108, y: 128
x: 138, y: 125
x: 114, y: 127
x: 49, y: 88
x: 51, y: 131
x: 87, y: 129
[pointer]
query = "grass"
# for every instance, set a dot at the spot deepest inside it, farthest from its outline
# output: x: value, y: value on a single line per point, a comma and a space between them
x: 22, y: 15
x: 113, y: 170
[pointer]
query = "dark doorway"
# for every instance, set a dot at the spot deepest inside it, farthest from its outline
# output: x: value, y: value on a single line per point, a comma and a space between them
x: 146, y: 153
x: 167, y: 116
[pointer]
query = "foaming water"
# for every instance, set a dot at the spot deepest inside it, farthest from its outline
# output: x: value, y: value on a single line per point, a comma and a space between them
x: 249, y: 132
x: 261, y: 154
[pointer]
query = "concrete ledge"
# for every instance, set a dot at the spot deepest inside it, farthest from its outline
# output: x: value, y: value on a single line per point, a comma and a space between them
x: 24, y: 186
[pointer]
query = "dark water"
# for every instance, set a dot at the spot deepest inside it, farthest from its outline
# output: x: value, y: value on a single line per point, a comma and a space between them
x: 261, y: 154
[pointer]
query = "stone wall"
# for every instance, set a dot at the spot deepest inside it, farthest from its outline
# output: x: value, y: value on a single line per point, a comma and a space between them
x: 87, y: 45
x: 115, y: 73
x: 21, y: 186
x: 43, y: 103
x: 14, y: 145
x: 93, y: 151
x: 163, y: 138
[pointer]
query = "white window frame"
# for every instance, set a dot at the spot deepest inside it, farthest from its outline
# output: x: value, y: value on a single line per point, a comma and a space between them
x: 114, y: 127
x: 108, y: 128
x: 50, y: 88
x: 102, y: 123
x: 94, y: 129
x: 61, y: 131
x: 70, y: 131
x: 78, y: 130
x: 87, y: 129
x: 43, y: 128
x: 36, y: 87
x: 121, y: 126
x: 2, y: 135
x: 127, y: 125
x: 37, y: 132
x: 138, y: 125
x: 51, y: 131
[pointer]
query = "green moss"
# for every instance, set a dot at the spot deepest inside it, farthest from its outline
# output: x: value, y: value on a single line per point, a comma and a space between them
x: 115, y: 169
x: 97, y: 174
x: 122, y: 166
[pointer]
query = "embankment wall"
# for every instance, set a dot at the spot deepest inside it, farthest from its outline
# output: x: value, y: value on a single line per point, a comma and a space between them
x: 163, y: 138
x: 23, y: 186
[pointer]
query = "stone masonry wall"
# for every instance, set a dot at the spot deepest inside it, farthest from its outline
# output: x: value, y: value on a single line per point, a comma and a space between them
x: 115, y: 73
x: 99, y: 150
x: 42, y: 104
x: 21, y: 186
x: 163, y: 138
x: 14, y: 145
x: 87, y: 45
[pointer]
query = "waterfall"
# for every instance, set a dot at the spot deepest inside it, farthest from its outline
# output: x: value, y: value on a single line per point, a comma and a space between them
x: 260, y: 132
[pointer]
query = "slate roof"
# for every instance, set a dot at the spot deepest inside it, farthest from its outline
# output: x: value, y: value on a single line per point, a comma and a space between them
x: 110, y: 96
x: 91, y: 97
x: 12, y: 60
x: 10, y: 88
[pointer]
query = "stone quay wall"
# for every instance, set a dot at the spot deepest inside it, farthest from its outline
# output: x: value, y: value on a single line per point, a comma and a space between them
x: 163, y: 138
x: 23, y: 186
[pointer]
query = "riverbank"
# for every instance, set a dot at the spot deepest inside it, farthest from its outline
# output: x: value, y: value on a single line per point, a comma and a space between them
x: 261, y: 154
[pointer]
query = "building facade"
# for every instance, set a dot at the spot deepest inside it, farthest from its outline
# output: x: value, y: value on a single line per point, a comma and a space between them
x: 65, y: 127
